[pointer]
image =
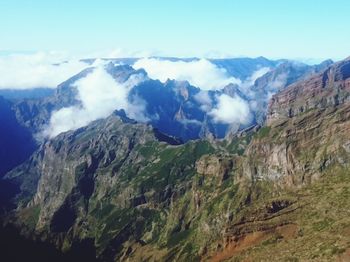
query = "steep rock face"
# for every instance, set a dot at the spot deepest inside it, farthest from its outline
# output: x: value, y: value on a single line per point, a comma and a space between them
x: 16, y: 142
x: 212, y: 165
x: 66, y: 166
x: 277, y: 80
x: 286, y: 74
x: 109, y: 182
x: 297, y: 151
x: 327, y: 89
x: 306, y: 130
x: 293, y: 163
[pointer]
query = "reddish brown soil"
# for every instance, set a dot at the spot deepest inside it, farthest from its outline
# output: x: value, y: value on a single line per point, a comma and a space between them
x: 253, y: 239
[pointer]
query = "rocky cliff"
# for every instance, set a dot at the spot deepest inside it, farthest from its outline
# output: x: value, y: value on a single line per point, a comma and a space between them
x: 327, y: 89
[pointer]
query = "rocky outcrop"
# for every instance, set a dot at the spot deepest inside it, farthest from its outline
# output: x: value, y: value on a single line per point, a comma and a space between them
x: 213, y: 165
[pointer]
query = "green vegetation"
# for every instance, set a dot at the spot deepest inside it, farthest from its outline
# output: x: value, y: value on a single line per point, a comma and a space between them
x: 174, y: 164
x: 322, y: 221
x: 285, y: 199
x: 239, y: 144
x: 263, y: 132
x: 178, y: 237
x: 31, y: 216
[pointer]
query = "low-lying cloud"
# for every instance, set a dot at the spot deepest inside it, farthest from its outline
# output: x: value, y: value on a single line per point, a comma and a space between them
x: 246, y: 86
x: 231, y: 110
x: 279, y: 82
x: 257, y: 74
x: 99, y: 95
x: 227, y: 109
x: 200, y: 73
x: 24, y: 71
x: 204, y: 99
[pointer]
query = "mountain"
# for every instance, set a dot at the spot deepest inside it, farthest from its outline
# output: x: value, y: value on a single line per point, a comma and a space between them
x: 279, y: 78
x: 174, y: 107
x: 16, y: 142
x: 240, y: 68
x: 243, y: 68
x: 129, y: 192
x: 329, y: 89
x: 14, y: 94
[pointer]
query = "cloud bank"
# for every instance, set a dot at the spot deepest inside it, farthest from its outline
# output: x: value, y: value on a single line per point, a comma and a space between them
x: 99, y: 95
x: 200, y: 73
x: 204, y: 99
x: 231, y: 110
x: 257, y: 74
x: 24, y: 71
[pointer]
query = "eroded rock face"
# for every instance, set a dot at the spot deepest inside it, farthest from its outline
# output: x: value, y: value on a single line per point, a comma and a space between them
x: 278, y: 79
x: 306, y: 130
x: 212, y: 165
x: 296, y: 152
x: 70, y: 162
x: 328, y: 89
x: 109, y: 176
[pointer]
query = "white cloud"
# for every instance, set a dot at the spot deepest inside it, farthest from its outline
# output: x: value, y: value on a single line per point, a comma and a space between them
x: 204, y: 99
x: 258, y: 73
x: 249, y: 82
x: 23, y: 71
x: 200, y: 73
x: 100, y: 95
x: 231, y: 110
x: 279, y: 82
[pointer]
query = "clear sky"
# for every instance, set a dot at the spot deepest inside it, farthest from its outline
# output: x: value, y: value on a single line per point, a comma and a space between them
x: 271, y: 28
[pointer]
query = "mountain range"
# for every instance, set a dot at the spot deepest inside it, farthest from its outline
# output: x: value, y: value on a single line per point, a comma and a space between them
x: 168, y: 176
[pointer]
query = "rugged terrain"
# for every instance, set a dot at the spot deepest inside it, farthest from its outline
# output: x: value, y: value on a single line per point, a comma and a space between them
x: 126, y: 191
x: 172, y: 107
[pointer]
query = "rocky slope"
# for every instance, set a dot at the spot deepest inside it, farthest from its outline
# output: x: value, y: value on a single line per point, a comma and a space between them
x: 328, y: 89
x: 278, y: 79
x: 300, y: 160
x: 110, y: 182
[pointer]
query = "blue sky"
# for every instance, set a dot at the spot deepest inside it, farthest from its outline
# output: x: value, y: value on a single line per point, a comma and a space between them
x: 272, y: 28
